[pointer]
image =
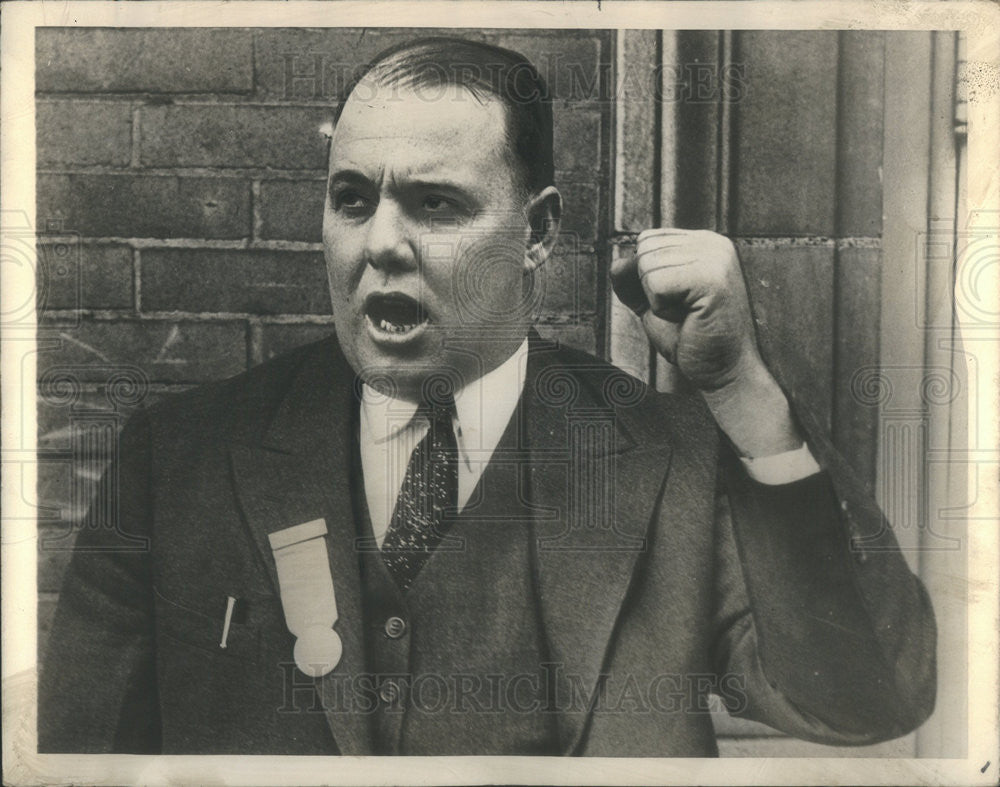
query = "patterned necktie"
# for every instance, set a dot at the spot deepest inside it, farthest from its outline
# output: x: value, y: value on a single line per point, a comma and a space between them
x: 430, y: 487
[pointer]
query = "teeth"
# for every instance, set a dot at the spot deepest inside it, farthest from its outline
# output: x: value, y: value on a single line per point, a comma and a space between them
x: 391, y: 327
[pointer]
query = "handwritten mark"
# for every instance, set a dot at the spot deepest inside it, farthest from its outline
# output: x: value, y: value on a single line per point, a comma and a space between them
x: 85, y: 346
x: 172, y: 338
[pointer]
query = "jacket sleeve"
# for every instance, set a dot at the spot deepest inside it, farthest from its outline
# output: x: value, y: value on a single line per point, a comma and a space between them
x: 818, y: 617
x: 97, y: 683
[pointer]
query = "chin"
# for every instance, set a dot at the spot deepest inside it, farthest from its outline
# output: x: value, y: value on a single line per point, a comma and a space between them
x: 393, y: 374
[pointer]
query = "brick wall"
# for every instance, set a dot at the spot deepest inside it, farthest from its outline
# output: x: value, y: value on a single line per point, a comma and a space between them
x: 180, y: 190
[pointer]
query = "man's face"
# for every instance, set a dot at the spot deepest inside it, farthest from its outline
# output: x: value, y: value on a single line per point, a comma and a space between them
x: 424, y: 236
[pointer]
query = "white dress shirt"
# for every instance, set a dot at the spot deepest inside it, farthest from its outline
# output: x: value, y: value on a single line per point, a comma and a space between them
x: 391, y: 429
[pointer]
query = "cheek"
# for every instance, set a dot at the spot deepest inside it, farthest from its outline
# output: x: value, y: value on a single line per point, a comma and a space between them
x: 335, y: 272
x: 341, y: 263
x: 345, y: 315
x: 483, y: 280
x: 492, y: 267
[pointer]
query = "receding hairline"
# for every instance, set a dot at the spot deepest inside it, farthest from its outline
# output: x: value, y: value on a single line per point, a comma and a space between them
x: 484, y: 99
x: 487, y: 72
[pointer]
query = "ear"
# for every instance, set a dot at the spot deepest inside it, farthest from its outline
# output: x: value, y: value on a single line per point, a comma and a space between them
x: 326, y: 131
x: 544, y: 212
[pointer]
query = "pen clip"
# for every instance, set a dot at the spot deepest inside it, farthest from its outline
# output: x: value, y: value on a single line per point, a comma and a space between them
x: 230, y: 604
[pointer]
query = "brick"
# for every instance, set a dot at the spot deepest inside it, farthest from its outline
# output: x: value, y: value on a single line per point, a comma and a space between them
x: 56, y: 411
x: 279, y: 339
x: 581, y: 212
x: 147, y: 206
x: 172, y: 352
x: 785, y: 181
x: 577, y: 140
x: 233, y: 136
x: 55, y: 548
x: 292, y: 209
x: 570, y: 66
x: 859, y: 197
x: 54, y: 489
x: 74, y: 276
x: 259, y: 282
x: 639, y: 142
x: 156, y: 60
x: 568, y: 284
x: 83, y: 133
x: 791, y: 288
x: 310, y: 64
x: 318, y: 64
x: 46, y: 612
x: 696, y: 150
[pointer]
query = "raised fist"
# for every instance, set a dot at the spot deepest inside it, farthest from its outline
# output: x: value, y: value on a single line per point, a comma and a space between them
x: 687, y: 286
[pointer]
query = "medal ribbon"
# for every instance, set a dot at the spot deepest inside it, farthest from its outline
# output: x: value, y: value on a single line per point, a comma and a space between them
x: 307, y: 595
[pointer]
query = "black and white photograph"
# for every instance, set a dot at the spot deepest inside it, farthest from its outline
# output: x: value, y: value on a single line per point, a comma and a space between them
x: 477, y: 393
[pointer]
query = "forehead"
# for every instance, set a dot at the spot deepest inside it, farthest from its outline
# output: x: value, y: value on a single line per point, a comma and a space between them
x: 417, y: 127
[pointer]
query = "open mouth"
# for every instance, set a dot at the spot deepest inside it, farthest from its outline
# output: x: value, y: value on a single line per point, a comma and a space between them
x: 394, y: 314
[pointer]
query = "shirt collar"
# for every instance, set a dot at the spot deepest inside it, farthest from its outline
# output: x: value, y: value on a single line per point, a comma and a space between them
x: 483, y: 407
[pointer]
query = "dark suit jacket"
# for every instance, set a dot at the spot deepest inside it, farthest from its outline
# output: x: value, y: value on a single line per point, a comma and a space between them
x: 680, y: 576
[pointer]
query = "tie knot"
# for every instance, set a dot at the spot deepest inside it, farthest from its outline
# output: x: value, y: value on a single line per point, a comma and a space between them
x: 438, y: 401
x: 438, y: 413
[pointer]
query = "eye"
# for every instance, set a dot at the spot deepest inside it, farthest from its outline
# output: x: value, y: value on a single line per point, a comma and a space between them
x: 436, y: 204
x: 444, y: 212
x: 350, y: 201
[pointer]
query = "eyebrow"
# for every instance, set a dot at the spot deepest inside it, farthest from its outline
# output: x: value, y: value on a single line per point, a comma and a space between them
x: 443, y: 183
x: 349, y: 175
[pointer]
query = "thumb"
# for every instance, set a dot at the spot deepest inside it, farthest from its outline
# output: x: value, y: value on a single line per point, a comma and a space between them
x: 663, y: 335
x: 626, y: 283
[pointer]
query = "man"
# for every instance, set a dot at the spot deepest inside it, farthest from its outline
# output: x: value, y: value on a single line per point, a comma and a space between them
x: 448, y: 536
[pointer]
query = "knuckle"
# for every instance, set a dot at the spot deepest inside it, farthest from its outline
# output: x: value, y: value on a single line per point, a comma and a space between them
x: 719, y: 243
x: 649, y: 233
x: 649, y: 264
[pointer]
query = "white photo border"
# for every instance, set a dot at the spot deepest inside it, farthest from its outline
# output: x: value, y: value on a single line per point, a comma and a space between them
x: 981, y: 23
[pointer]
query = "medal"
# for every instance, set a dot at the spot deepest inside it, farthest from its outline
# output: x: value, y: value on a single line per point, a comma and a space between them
x: 317, y: 651
x: 307, y: 596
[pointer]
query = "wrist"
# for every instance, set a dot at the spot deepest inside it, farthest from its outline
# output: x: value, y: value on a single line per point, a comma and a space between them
x: 754, y: 413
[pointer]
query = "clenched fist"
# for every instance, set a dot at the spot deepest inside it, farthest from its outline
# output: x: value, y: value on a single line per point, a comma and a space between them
x: 688, y: 289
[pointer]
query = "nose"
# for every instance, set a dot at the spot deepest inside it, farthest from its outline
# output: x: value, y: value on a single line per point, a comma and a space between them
x: 389, y: 245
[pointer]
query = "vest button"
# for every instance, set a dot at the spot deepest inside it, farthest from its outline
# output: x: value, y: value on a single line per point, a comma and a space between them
x: 389, y: 692
x: 395, y: 627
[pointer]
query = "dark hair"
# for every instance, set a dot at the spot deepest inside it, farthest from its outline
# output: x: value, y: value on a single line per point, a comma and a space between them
x: 484, y: 70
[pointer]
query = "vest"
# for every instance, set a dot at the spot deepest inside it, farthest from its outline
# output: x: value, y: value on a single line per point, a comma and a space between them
x: 458, y: 662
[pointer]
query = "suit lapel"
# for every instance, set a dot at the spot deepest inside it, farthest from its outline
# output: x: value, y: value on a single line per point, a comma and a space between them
x: 595, y: 489
x: 299, y: 471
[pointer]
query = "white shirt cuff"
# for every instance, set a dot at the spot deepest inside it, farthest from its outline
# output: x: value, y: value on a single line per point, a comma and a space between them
x: 782, y: 468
